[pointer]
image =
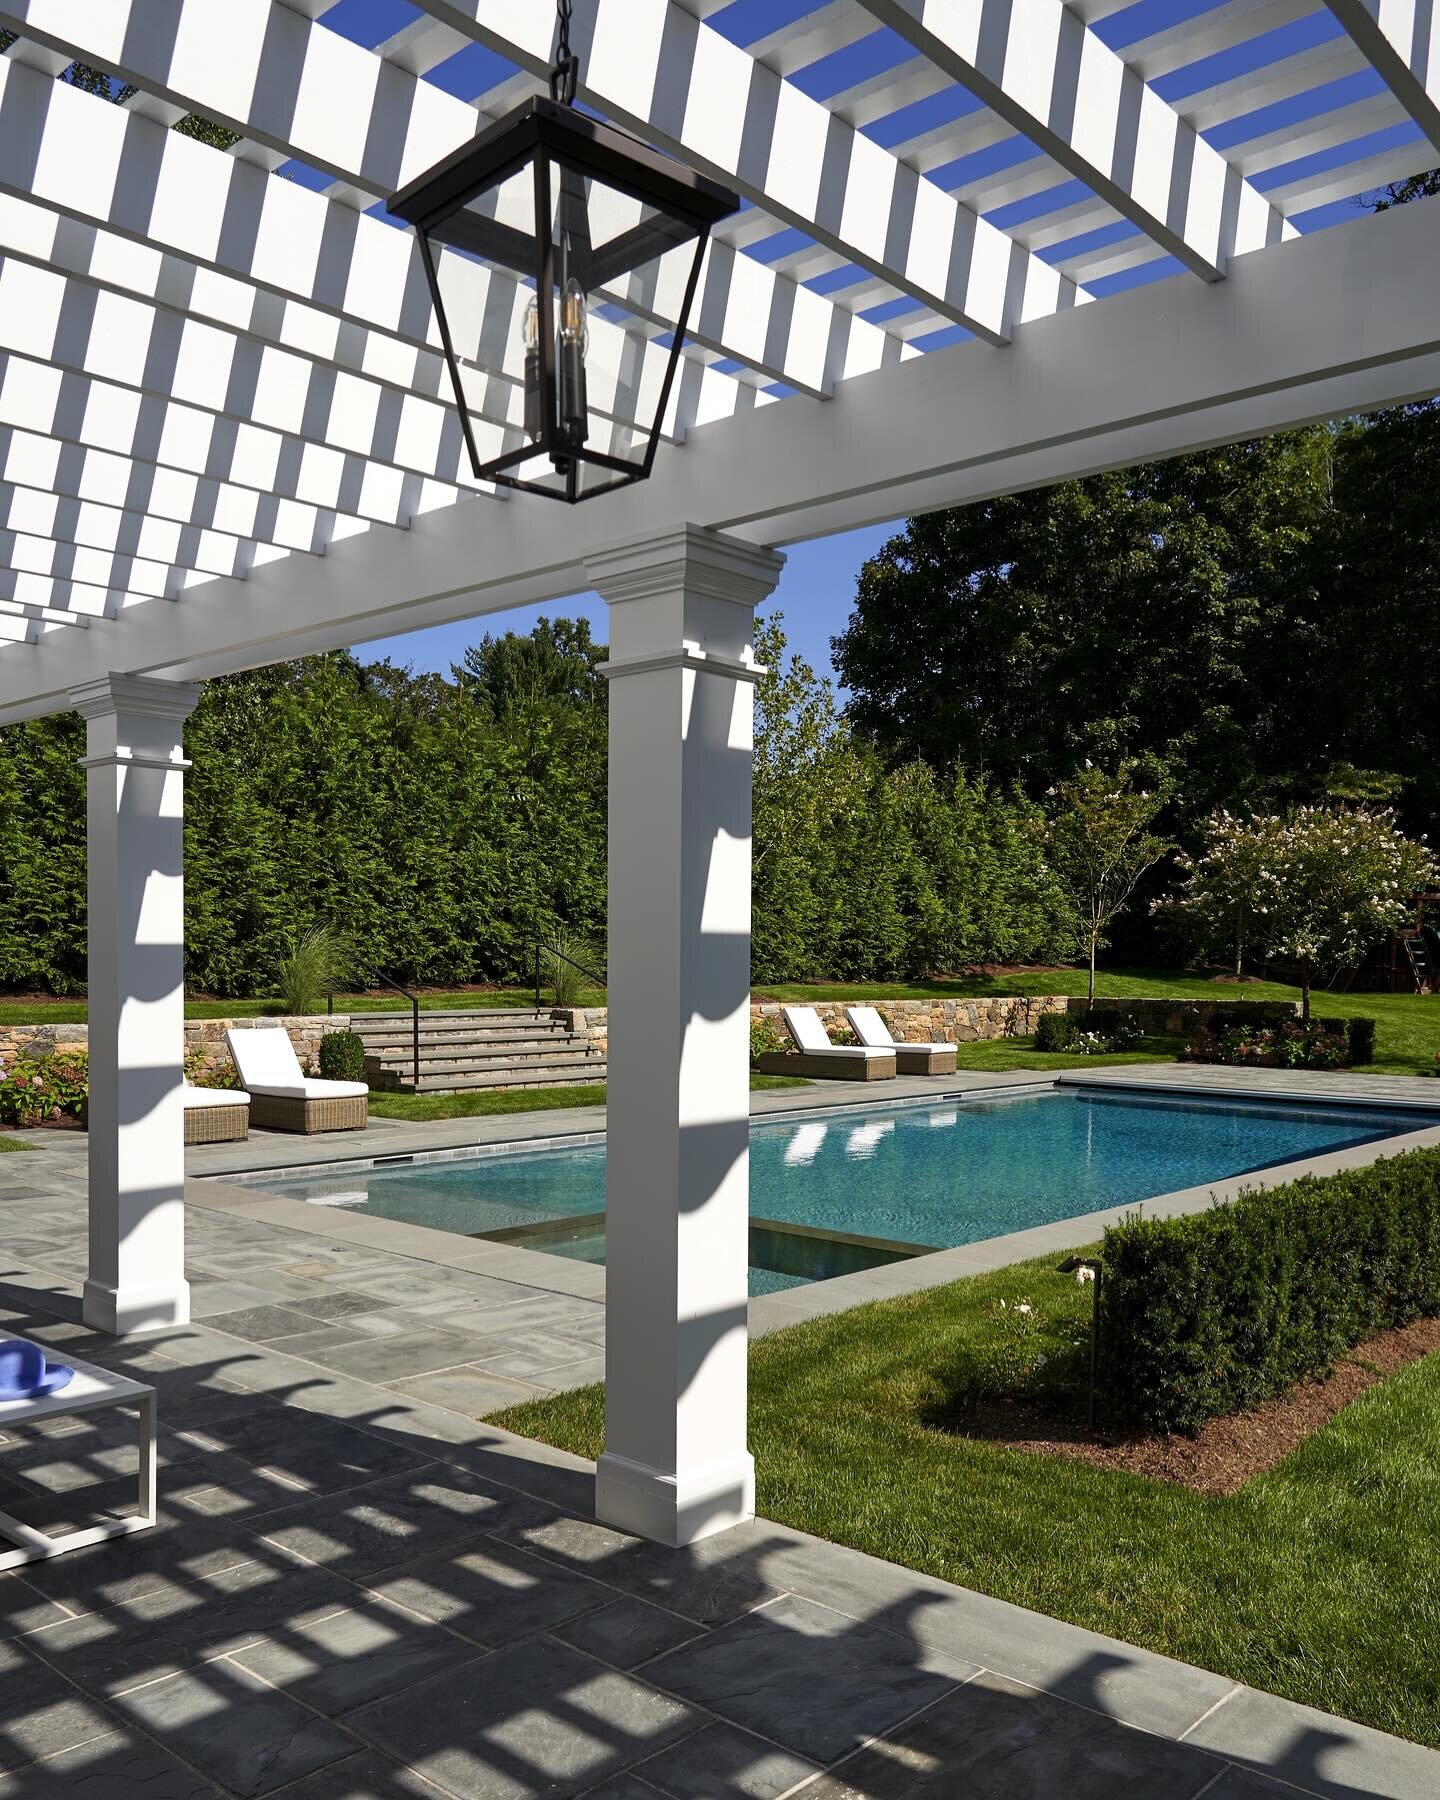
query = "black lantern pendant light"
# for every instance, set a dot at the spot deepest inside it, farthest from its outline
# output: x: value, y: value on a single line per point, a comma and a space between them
x: 570, y: 207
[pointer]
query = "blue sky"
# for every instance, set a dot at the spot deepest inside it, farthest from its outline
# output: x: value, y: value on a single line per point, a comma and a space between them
x: 816, y: 594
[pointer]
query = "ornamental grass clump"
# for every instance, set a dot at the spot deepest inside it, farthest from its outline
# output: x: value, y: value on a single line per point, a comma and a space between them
x: 1208, y: 1314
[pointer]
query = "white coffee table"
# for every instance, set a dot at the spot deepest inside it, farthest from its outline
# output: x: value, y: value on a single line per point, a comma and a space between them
x: 90, y: 1390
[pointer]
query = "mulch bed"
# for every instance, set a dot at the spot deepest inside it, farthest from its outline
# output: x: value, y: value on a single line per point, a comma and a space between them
x: 1225, y: 1453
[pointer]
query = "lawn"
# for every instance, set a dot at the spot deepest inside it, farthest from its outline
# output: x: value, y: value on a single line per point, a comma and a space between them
x: 1318, y: 1581
x: 8, y: 1143
x: 512, y: 1100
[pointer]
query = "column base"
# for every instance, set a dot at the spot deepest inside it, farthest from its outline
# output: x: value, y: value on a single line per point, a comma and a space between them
x: 121, y: 1311
x: 674, y: 1509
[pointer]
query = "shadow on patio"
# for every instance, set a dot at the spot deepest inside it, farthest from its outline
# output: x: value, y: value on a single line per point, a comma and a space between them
x: 342, y: 1607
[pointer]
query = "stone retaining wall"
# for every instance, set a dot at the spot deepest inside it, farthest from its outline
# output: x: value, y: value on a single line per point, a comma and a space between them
x: 207, y: 1036
x: 996, y: 1016
x: 935, y: 1021
x: 910, y: 1021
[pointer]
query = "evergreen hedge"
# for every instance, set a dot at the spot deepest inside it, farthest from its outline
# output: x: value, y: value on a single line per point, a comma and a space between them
x: 1208, y: 1314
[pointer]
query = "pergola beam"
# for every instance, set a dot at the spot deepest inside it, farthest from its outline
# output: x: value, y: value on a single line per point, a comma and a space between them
x: 1400, y: 39
x: 1038, y: 65
x: 1291, y: 336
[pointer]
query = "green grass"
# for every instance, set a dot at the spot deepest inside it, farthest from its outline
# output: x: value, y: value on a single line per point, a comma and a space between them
x: 479, y: 1105
x: 1318, y: 1581
x: 512, y: 1100
x: 8, y: 1143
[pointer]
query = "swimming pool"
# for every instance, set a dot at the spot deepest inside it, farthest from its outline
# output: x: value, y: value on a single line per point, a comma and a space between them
x: 864, y: 1185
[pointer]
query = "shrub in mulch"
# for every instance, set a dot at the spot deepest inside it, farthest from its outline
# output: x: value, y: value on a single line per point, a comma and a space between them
x: 1288, y: 1046
x: 1211, y: 1313
x: 1224, y: 1453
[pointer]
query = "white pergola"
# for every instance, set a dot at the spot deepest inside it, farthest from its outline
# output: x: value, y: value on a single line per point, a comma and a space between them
x: 986, y: 244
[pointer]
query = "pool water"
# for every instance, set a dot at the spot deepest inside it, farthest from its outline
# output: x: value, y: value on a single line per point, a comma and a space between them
x: 869, y: 1184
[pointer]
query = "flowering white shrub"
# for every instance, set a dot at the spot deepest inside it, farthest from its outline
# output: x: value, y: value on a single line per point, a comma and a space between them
x: 1319, y: 886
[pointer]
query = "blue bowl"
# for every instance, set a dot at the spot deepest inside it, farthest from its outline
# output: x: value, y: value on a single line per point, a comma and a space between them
x: 24, y: 1372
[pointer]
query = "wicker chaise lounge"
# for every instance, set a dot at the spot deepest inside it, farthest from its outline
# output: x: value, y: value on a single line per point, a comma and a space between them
x: 910, y: 1059
x: 817, y: 1057
x: 282, y: 1097
x: 215, y: 1115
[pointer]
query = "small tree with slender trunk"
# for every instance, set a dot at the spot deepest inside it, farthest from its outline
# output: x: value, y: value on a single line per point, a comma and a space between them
x: 1214, y: 908
x: 1099, y: 843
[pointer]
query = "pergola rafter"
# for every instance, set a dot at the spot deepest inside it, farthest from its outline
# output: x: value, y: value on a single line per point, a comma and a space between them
x: 1038, y: 65
x: 1400, y: 39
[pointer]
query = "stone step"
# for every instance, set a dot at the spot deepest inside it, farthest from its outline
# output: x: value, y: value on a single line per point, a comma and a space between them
x: 593, y: 1076
x: 447, y: 1065
x: 444, y: 1015
x: 530, y: 1026
x: 520, y: 1042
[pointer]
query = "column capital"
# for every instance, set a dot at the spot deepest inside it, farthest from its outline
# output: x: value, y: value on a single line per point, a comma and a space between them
x: 146, y: 695
x: 688, y: 559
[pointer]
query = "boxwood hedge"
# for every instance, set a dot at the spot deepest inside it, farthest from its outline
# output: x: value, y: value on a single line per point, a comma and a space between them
x: 1210, y: 1313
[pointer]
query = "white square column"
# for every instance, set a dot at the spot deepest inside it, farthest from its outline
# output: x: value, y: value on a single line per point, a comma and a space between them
x: 676, y: 1465
x: 135, y: 765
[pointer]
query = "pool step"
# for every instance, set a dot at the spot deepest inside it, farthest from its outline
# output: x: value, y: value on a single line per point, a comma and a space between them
x: 464, y: 1051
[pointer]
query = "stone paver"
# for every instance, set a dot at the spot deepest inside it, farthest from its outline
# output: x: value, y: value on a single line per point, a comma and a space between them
x: 358, y: 1589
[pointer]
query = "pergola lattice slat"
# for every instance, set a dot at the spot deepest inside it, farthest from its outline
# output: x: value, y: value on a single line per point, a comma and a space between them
x: 283, y: 227
x: 1039, y: 66
x: 106, y: 486
x: 723, y: 112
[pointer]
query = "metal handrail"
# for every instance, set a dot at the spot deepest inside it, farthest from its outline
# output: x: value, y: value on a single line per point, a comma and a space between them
x: 560, y: 956
x: 414, y: 1000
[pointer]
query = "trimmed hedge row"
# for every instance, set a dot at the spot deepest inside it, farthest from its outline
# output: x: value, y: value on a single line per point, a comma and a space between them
x: 1208, y: 1314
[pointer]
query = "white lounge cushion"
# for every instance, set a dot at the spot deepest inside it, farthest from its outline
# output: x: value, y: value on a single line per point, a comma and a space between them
x: 265, y: 1058
x: 811, y: 1037
x: 872, y: 1030
x: 203, y: 1097
x: 869, y: 1027
x: 308, y: 1087
x: 268, y: 1064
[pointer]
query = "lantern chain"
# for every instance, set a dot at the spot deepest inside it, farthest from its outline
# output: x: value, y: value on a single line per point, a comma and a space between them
x: 565, y: 71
